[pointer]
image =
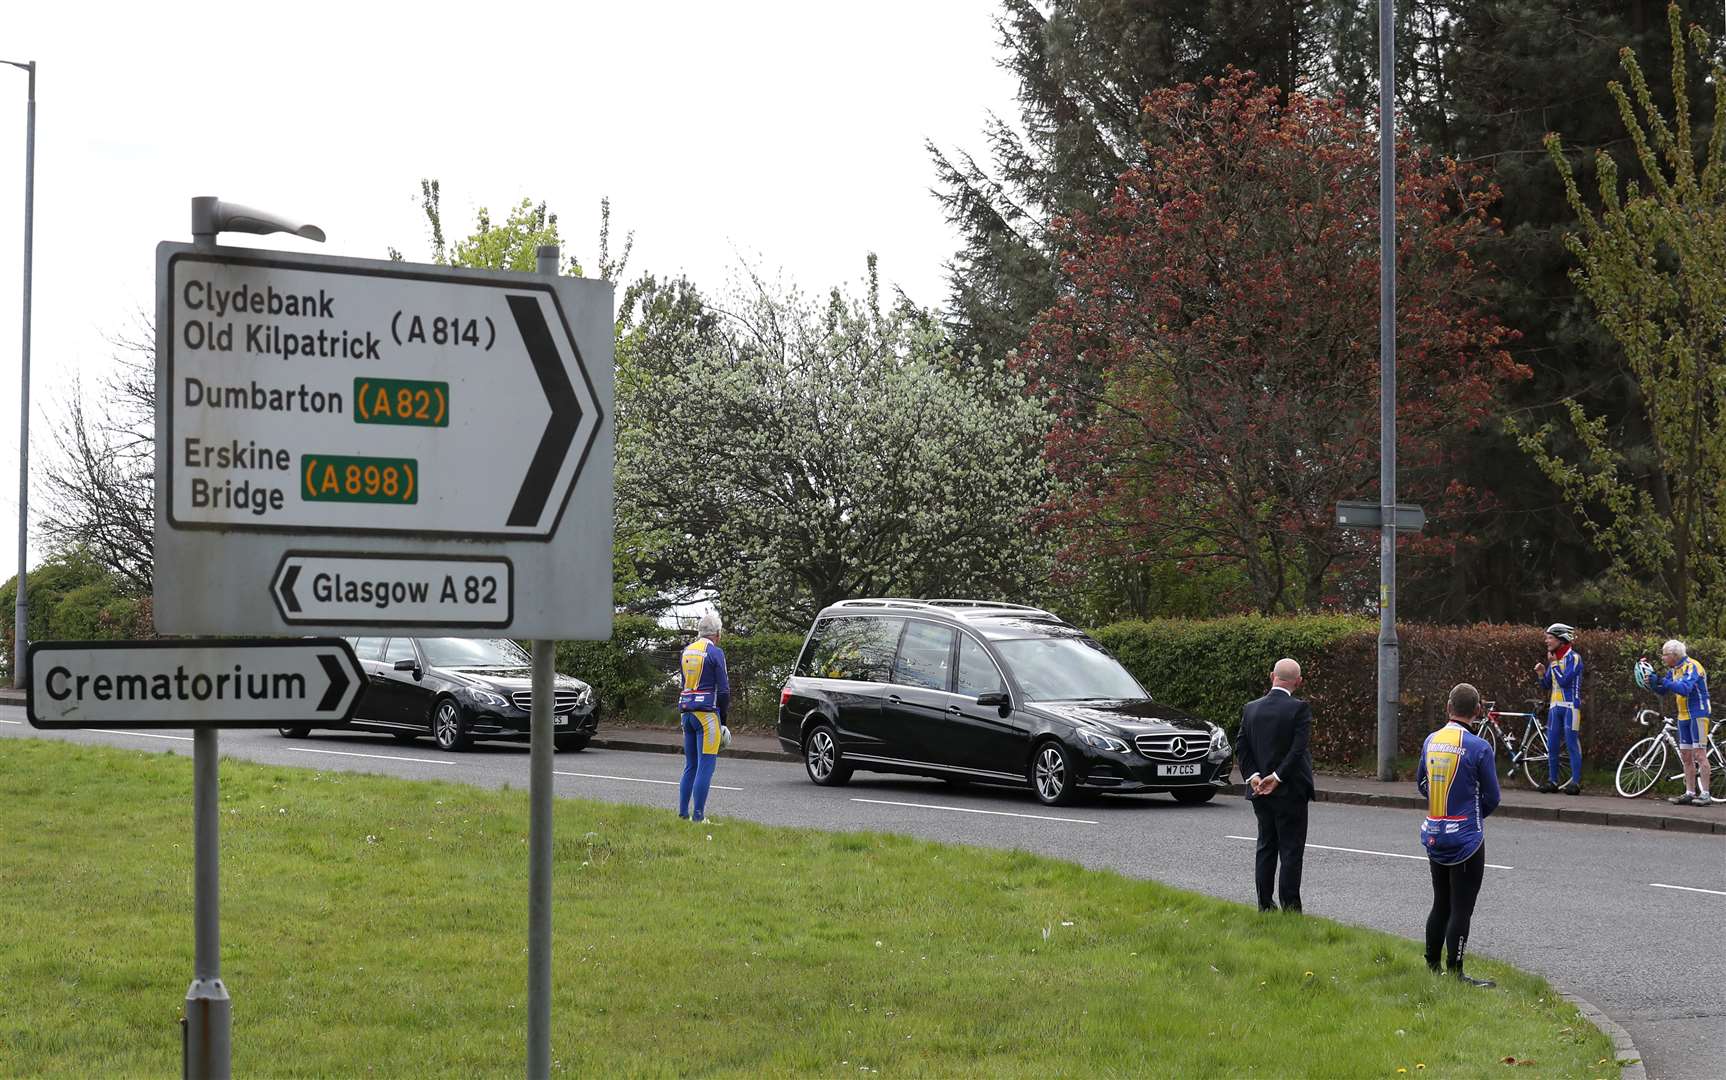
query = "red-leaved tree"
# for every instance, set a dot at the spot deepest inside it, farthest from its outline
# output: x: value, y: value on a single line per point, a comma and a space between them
x: 1214, y: 360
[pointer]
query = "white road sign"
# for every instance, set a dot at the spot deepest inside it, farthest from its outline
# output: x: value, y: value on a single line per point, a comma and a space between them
x: 176, y: 684
x: 412, y: 417
x: 393, y: 590
x: 329, y: 399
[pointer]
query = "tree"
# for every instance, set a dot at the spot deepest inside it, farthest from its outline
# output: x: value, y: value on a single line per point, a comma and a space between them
x: 1214, y: 360
x: 811, y: 452
x: 1650, y: 264
x: 74, y: 596
x: 1507, y: 72
x: 101, y: 487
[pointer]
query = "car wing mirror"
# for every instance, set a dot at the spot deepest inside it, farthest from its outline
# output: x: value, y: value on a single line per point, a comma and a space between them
x: 409, y: 665
x: 997, y: 698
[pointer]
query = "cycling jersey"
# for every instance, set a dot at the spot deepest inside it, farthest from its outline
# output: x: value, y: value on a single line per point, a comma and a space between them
x: 1688, y: 683
x: 703, y: 703
x: 1563, y: 678
x: 1456, y: 775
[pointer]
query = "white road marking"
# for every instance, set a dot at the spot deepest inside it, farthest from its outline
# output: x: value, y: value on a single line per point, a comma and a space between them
x: 153, y: 735
x: 1686, y: 888
x: 635, y: 779
x: 968, y: 810
x: 380, y: 757
x: 19, y: 722
x: 1361, y: 851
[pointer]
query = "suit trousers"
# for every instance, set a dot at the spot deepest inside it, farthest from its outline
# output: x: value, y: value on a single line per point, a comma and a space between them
x: 1282, y: 838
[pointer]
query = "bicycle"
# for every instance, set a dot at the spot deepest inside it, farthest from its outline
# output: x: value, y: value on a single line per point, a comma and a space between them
x: 1644, y: 764
x: 1527, y: 750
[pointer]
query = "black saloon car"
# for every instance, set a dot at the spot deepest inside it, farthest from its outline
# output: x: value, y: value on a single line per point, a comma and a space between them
x: 969, y: 690
x: 458, y: 690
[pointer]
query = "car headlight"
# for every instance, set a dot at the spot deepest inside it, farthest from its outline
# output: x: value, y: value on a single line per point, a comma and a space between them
x: 1102, y: 742
x: 1219, y: 741
x: 584, y: 697
x: 486, y: 697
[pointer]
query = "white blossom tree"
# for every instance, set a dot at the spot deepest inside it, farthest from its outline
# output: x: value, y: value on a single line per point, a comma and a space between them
x: 806, y: 453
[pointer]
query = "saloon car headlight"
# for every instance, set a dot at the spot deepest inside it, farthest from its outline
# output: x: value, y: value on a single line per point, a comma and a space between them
x: 1219, y: 741
x: 1103, y: 742
x: 487, y: 698
x: 584, y: 697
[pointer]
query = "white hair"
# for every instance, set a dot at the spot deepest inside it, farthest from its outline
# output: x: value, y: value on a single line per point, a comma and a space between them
x: 1675, y: 646
x: 709, y: 624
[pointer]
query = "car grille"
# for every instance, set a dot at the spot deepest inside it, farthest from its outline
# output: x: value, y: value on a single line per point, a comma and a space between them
x: 1173, y: 747
x: 565, y: 702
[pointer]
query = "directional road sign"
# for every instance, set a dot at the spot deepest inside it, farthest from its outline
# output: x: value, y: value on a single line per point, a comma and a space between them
x: 1368, y: 515
x: 192, y: 683
x: 410, y: 417
x: 394, y: 590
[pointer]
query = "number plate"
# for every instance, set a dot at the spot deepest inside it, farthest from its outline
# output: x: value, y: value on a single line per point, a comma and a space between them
x: 1178, y: 770
x: 561, y: 721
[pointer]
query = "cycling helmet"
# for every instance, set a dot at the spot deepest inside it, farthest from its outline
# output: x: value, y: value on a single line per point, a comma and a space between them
x: 1562, y: 631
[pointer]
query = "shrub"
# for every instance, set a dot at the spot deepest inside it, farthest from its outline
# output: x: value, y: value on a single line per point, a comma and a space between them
x: 1214, y: 667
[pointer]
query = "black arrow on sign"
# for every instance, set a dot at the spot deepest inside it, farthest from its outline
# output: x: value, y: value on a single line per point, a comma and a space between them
x: 287, y: 588
x: 565, y: 411
x: 338, y: 682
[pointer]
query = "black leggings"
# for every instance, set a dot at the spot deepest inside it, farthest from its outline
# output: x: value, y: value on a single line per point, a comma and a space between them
x: 1454, y: 889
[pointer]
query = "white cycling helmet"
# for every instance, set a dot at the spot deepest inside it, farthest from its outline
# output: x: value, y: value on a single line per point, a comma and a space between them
x: 1562, y: 631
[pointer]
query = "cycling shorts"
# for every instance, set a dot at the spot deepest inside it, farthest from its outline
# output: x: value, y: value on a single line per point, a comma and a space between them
x: 1693, y: 733
x: 1566, y: 717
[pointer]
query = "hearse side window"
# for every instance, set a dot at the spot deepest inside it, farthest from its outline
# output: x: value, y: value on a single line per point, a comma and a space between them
x: 977, y: 673
x: 858, y: 648
x: 925, y: 655
x: 401, y: 648
x: 369, y: 648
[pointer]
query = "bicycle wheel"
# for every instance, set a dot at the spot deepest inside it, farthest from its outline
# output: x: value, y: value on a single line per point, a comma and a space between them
x: 1485, y: 732
x: 1717, y: 766
x: 1533, y: 756
x: 1644, y: 765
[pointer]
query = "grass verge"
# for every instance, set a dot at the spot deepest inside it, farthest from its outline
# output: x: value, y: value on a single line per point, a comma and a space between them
x: 374, y: 926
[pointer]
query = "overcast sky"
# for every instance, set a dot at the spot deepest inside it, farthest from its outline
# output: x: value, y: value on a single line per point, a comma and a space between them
x: 788, y: 133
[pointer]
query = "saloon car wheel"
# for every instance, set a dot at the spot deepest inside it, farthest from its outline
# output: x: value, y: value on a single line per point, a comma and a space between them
x: 821, y: 757
x: 1194, y: 795
x: 446, y: 726
x: 571, y: 744
x: 1052, y: 775
x: 294, y: 732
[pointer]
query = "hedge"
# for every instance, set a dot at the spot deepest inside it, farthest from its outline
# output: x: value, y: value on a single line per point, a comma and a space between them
x: 1210, y: 666
x: 1214, y: 667
x: 635, y: 673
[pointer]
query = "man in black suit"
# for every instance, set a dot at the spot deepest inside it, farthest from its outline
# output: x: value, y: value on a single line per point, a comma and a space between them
x: 1278, y: 768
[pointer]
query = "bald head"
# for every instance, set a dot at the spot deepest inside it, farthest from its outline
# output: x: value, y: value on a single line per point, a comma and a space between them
x: 1286, y: 674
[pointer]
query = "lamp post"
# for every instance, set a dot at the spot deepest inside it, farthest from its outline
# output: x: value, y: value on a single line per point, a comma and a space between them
x: 1389, y: 675
x: 23, y: 605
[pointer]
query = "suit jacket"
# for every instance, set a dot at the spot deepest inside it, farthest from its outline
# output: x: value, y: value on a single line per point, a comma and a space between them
x: 1273, y: 739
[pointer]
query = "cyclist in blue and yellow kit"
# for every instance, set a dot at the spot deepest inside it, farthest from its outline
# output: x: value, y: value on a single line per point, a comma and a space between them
x: 1456, y: 775
x: 705, y: 700
x: 1562, y: 679
x: 1688, y: 683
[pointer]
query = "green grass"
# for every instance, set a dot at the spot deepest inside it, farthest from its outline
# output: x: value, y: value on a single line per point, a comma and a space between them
x: 377, y: 927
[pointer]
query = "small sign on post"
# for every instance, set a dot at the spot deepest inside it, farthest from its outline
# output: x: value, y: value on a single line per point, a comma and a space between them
x: 1368, y: 515
x: 191, y: 683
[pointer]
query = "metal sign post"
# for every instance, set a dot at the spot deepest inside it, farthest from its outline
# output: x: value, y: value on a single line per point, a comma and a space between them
x: 1389, y: 677
x: 539, y: 828
x: 345, y: 444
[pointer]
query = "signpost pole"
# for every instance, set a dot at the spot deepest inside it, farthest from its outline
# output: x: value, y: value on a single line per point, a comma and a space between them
x: 208, y: 1008
x: 21, y: 609
x: 209, y: 1011
x: 1389, y: 694
x: 539, y: 828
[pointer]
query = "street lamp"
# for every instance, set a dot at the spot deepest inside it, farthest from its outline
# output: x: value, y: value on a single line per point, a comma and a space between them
x: 23, y: 606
